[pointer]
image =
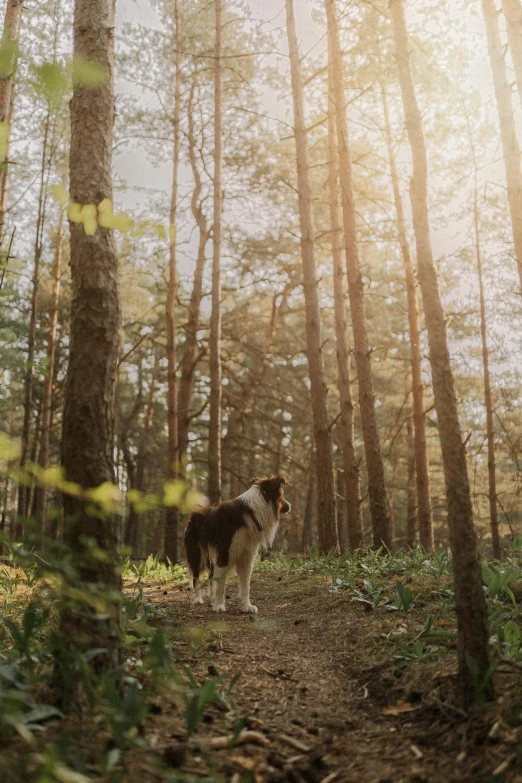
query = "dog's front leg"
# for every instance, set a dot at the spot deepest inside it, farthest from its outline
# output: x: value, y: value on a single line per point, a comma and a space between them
x: 218, y: 591
x: 244, y: 572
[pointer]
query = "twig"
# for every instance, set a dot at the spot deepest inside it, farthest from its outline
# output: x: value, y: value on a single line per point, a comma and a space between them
x: 279, y: 675
x: 219, y: 743
x: 295, y: 743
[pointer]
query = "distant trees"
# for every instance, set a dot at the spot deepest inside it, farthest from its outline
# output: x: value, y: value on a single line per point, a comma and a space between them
x: 379, y: 418
x: 421, y: 472
x: 9, y: 45
x: 508, y: 130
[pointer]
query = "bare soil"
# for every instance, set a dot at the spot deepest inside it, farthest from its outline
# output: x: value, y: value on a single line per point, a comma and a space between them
x: 325, y: 702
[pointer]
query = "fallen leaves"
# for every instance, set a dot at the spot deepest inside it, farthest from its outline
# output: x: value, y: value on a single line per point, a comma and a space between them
x: 399, y: 708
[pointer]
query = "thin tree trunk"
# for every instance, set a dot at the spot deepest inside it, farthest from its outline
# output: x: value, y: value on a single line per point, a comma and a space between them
x: 372, y: 447
x: 214, y: 434
x: 310, y: 506
x: 172, y: 513
x: 513, y: 13
x: 10, y: 38
x: 492, y: 480
x: 24, y: 490
x: 190, y: 354
x: 88, y: 419
x: 422, y: 474
x: 327, y: 533
x: 508, y: 130
x: 346, y: 421
x: 391, y: 496
x: 411, y: 500
x: 469, y: 596
x: 40, y: 492
x: 136, y: 468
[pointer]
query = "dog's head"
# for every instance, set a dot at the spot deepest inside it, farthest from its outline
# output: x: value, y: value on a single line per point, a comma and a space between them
x: 273, y: 492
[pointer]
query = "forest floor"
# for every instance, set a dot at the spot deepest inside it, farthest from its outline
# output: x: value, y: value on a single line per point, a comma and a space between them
x: 323, y: 694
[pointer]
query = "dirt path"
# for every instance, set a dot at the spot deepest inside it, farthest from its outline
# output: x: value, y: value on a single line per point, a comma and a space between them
x: 319, y: 705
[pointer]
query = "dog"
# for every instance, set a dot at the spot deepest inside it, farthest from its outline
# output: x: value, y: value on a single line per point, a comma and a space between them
x: 229, y: 535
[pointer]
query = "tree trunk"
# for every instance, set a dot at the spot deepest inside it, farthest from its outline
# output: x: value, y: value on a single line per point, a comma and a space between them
x: 40, y: 492
x: 492, y: 480
x: 469, y: 596
x: 214, y: 434
x: 411, y: 500
x: 372, y: 447
x: 346, y: 421
x: 310, y: 506
x: 327, y: 533
x: 508, y: 130
x: 172, y: 513
x: 24, y: 490
x: 422, y: 474
x: 88, y: 419
x: 136, y: 469
x: 190, y: 355
x: 513, y: 14
x: 10, y: 38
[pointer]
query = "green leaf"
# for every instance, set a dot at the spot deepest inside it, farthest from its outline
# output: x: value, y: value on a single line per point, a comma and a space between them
x: 86, y: 73
x: 51, y: 79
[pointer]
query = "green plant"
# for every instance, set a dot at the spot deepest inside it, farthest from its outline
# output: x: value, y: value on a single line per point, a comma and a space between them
x: 25, y: 635
x: 403, y: 597
x: 498, y: 581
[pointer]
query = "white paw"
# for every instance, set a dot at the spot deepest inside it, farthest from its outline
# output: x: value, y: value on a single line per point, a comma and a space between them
x: 198, y: 600
x: 249, y: 608
x: 219, y: 608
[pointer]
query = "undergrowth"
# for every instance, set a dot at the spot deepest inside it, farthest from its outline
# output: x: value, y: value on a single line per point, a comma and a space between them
x: 407, y: 594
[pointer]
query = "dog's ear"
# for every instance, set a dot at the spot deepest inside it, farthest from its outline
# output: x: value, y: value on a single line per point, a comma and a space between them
x: 257, y: 480
x: 280, y: 480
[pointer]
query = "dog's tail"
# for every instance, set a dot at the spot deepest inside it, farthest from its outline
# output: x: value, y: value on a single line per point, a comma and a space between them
x: 192, y: 547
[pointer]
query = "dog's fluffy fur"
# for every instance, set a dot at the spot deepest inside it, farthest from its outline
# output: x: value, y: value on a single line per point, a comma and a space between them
x: 229, y: 536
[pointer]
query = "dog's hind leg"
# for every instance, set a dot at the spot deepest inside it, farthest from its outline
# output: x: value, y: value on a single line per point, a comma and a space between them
x: 195, y: 584
x: 244, y: 572
x: 211, y: 583
x: 218, y: 588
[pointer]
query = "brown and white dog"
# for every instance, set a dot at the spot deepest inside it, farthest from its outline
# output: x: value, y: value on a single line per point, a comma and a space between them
x: 229, y: 536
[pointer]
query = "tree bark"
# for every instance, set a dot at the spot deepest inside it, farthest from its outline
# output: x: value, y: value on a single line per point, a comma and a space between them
x: 190, y: 356
x: 214, y: 434
x: 40, y: 492
x: 513, y: 13
x: 172, y: 513
x: 327, y: 533
x: 422, y: 474
x: 372, y: 447
x: 10, y: 39
x: 88, y: 419
x: 492, y: 479
x: 469, y: 596
x: 508, y: 130
x: 351, y: 476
